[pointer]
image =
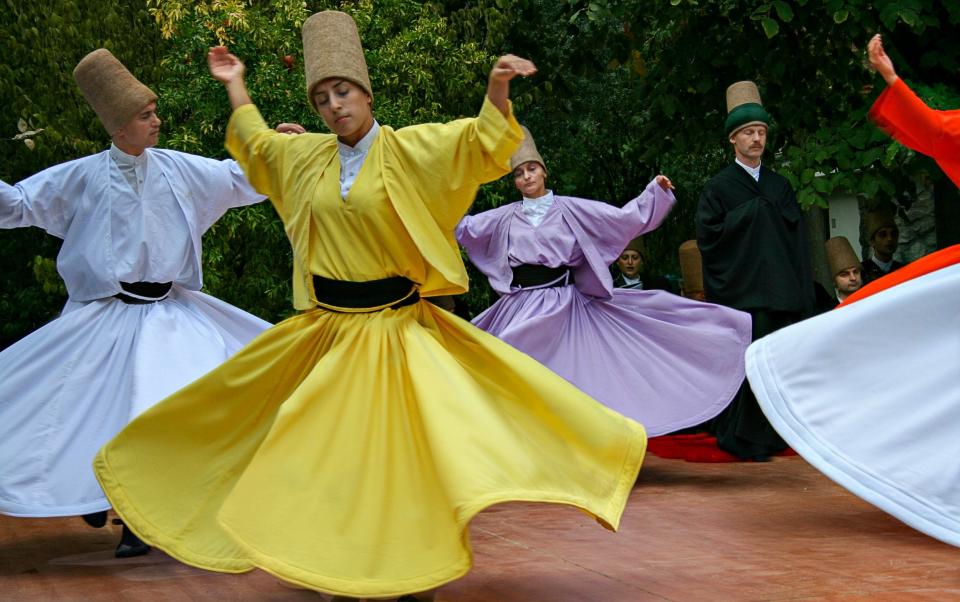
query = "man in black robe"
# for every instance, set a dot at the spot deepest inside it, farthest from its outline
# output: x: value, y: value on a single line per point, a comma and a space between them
x: 753, y: 243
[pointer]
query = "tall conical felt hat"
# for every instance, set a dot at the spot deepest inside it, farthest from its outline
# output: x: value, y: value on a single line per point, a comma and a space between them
x: 744, y: 107
x: 331, y: 48
x: 527, y: 151
x: 880, y: 218
x: 115, y: 95
x: 637, y: 245
x: 691, y: 267
x: 840, y: 255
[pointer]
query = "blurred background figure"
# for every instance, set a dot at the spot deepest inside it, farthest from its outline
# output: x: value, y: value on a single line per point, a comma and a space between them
x: 691, y: 270
x: 633, y: 275
x: 883, y: 235
x: 844, y: 266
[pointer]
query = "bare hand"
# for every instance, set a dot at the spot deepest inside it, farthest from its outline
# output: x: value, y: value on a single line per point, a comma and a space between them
x: 293, y: 129
x: 664, y: 183
x: 879, y: 59
x: 224, y: 67
x: 509, y: 66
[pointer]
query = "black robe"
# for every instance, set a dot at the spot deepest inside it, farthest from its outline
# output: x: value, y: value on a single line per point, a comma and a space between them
x: 753, y: 241
x: 872, y: 271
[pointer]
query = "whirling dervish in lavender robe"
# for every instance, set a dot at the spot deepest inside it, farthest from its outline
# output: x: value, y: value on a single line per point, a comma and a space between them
x: 663, y: 360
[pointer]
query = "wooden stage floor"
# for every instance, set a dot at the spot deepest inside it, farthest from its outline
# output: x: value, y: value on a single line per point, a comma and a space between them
x: 754, y: 532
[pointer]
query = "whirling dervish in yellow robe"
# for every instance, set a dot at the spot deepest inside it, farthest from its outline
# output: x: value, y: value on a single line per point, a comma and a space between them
x: 347, y: 448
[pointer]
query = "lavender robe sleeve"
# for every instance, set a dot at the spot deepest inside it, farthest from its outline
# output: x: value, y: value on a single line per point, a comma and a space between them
x: 485, y: 237
x: 603, y: 231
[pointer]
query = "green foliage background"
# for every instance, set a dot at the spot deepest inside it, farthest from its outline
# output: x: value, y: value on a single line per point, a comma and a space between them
x: 626, y: 89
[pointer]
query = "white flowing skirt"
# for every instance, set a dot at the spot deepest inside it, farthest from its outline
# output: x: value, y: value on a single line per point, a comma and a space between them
x: 70, y: 386
x: 870, y: 395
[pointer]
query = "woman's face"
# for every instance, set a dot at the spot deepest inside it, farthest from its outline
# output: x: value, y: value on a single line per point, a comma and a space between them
x: 530, y: 178
x: 345, y: 108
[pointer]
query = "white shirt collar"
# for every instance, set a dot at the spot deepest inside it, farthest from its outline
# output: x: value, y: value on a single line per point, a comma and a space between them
x: 536, y: 209
x: 361, y: 147
x: 125, y: 160
x: 753, y: 171
x: 629, y: 280
x: 132, y: 168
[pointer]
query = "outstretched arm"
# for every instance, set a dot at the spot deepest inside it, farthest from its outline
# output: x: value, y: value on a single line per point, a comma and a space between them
x: 903, y: 115
x: 228, y: 70
x: 506, y: 68
x: 880, y: 61
x: 42, y: 200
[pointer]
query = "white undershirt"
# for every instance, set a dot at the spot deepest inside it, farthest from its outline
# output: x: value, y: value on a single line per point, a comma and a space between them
x: 133, y: 168
x: 753, y: 171
x: 630, y: 281
x: 150, y: 234
x: 352, y: 158
x: 536, y: 209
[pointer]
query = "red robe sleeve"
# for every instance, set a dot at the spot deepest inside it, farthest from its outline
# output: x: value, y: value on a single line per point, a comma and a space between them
x: 900, y: 113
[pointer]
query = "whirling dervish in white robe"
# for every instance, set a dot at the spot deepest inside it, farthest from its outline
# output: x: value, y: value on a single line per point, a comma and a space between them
x: 135, y: 328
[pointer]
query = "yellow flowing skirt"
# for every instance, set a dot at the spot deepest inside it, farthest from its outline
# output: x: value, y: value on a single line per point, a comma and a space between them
x: 348, y: 452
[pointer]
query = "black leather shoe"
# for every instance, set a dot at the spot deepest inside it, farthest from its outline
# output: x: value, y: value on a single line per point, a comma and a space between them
x: 130, y: 545
x: 95, y: 519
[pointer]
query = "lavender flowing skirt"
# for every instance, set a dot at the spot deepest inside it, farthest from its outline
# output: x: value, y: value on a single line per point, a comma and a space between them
x: 663, y: 360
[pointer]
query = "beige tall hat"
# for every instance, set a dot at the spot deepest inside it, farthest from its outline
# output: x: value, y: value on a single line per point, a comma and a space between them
x: 331, y: 48
x: 741, y: 93
x: 744, y: 107
x: 527, y: 151
x: 840, y: 255
x: 691, y: 267
x: 115, y: 95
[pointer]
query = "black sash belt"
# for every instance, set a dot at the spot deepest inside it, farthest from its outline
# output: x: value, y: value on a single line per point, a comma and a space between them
x: 373, y: 295
x: 140, y: 293
x: 528, y: 275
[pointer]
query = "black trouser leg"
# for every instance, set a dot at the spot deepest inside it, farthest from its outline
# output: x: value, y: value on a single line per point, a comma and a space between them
x: 130, y: 545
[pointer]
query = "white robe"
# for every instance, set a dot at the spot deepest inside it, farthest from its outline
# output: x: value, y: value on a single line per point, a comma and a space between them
x: 70, y: 386
x: 869, y: 394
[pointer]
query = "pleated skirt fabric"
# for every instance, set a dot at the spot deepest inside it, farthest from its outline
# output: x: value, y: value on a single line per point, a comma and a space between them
x: 663, y: 360
x: 869, y: 393
x: 347, y: 453
x: 70, y: 386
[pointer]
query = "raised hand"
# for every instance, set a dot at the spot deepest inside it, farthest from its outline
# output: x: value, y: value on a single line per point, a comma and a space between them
x: 224, y: 67
x: 879, y: 59
x: 293, y: 129
x: 509, y: 66
x: 664, y: 183
x: 506, y: 68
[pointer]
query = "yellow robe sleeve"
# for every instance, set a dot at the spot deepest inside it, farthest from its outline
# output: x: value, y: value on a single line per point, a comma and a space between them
x: 447, y: 162
x: 432, y: 173
x: 285, y: 168
x: 259, y: 150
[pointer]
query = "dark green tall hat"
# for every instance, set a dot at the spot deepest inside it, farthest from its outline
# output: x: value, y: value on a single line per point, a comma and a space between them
x: 744, y: 107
